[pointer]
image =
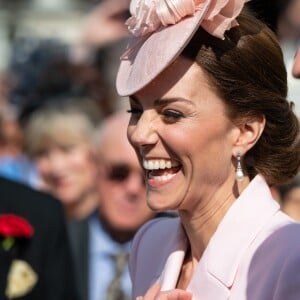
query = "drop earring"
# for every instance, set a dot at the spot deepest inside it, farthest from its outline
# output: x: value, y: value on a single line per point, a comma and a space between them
x: 239, y: 174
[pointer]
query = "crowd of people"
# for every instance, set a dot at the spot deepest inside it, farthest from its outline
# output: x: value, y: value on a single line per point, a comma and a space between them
x: 187, y: 189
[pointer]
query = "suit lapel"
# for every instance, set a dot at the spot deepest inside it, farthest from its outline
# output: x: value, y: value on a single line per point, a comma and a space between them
x: 203, y: 285
x: 177, y: 243
x: 239, y: 228
x: 218, y: 266
x: 243, y: 222
x: 79, y: 239
x: 169, y: 276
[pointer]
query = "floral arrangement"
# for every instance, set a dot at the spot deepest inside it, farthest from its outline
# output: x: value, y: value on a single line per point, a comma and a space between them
x: 21, y: 277
x: 148, y: 16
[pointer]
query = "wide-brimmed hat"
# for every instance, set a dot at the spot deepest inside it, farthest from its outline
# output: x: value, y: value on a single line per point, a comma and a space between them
x: 160, y: 31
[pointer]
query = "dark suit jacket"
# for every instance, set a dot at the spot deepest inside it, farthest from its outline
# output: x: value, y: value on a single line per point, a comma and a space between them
x: 47, y: 251
x: 79, y: 239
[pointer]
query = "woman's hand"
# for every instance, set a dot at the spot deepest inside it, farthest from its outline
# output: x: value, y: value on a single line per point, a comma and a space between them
x: 154, y: 293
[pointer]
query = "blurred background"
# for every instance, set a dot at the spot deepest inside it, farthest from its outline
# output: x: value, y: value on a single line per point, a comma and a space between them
x: 53, y: 52
x: 39, y: 19
x: 283, y: 17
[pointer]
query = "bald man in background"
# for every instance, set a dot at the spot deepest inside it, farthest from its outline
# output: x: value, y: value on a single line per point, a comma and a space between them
x: 108, y: 232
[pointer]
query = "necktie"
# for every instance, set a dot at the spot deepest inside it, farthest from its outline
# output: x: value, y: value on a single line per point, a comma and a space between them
x: 114, y: 291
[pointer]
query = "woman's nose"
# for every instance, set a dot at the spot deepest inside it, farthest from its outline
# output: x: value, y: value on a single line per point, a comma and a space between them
x: 143, y: 132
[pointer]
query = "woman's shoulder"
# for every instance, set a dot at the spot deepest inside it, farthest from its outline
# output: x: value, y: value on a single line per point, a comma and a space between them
x: 287, y: 235
x: 151, y: 247
x: 155, y: 240
x: 156, y: 230
x: 275, y: 265
x: 280, y: 245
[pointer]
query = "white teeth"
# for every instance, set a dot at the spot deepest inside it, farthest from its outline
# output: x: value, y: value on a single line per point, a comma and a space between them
x: 145, y: 164
x: 150, y: 165
x: 163, y: 177
x: 159, y: 164
x: 168, y: 164
x: 162, y: 164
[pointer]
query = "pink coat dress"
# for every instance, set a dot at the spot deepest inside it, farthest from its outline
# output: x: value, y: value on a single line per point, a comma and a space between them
x: 254, y: 253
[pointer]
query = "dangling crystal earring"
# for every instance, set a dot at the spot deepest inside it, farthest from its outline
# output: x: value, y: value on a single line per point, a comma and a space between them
x: 239, y: 174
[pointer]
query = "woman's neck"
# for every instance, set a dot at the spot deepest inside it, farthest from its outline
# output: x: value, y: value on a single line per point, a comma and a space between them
x: 201, y: 222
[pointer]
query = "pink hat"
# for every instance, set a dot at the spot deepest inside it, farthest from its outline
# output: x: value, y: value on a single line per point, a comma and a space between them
x: 162, y: 29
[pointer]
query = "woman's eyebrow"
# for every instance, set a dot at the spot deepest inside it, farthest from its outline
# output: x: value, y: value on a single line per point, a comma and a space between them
x: 160, y: 102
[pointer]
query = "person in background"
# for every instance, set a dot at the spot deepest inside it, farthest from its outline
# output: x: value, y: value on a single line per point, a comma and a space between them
x: 282, y: 16
x: 105, y: 23
x: 102, y: 38
x: 213, y: 129
x: 42, y: 73
x: 288, y: 22
x: 58, y: 139
x: 101, y: 255
x: 95, y: 173
x: 13, y: 163
x: 35, y: 257
x: 289, y: 198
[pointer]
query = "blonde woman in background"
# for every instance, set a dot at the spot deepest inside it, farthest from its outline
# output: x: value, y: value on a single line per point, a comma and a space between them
x: 96, y: 174
x: 58, y: 139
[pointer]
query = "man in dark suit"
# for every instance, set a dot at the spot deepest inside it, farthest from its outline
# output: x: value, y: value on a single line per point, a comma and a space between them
x: 45, y: 254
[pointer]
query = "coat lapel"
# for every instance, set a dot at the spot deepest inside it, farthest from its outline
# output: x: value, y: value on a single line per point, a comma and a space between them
x: 238, y: 230
x: 79, y: 240
x: 218, y: 266
x: 177, y: 243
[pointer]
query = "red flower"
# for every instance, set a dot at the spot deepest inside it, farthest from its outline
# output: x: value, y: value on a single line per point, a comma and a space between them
x: 15, y: 226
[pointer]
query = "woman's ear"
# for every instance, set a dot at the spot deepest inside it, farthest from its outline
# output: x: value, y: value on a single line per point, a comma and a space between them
x: 250, y: 132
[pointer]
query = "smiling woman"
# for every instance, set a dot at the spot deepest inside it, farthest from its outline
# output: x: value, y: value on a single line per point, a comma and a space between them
x: 212, y: 137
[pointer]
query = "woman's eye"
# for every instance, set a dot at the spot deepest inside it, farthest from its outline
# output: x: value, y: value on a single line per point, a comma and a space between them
x: 172, y: 115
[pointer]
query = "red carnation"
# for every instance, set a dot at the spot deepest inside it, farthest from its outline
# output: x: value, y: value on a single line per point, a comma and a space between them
x: 15, y: 226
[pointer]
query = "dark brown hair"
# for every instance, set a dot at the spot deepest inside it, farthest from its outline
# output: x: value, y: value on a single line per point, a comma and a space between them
x: 247, y: 70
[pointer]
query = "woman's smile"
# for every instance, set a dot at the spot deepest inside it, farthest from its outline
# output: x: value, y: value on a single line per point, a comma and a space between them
x: 160, y: 172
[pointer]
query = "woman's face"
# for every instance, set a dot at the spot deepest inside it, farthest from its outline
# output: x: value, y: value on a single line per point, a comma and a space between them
x: 68, y: 171
x: 183, y: 138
